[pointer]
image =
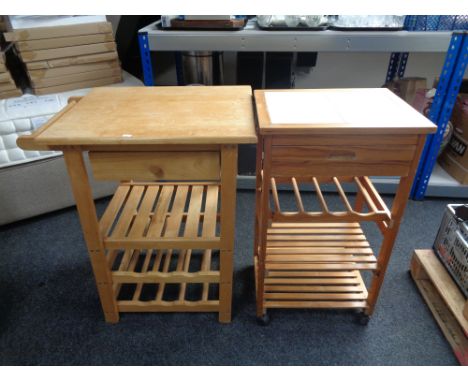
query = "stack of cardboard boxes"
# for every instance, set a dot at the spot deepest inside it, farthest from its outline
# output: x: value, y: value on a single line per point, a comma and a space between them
x: 7, y: 84
x: 64, y: 53
x: 455, y: 157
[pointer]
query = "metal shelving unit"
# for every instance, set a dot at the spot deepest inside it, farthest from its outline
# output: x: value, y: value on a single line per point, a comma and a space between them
x: 398, y: 43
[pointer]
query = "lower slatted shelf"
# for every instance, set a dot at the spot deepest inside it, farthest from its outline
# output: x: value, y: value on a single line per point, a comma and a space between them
x: 318, y: 246
x: 165, y: 280
x: 318, y: 289
x: 316, y: 265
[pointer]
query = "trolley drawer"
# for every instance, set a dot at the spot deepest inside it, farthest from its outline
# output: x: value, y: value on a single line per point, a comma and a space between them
x: 150, y: 166
x: 341, y: 155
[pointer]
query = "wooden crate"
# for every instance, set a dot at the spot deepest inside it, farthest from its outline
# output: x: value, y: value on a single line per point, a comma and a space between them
x: 444, y: 299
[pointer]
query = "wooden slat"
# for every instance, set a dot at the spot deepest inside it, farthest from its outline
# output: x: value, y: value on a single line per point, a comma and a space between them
x: 144, y: 269
x: 162, y: 243
x: 347, y: 275
x: 166, y: 277
x: 168, y: 306
x: 311, y: 281
x: 366, y: 196
x: 318, y: 250
x: 314, y: 258
x: 343, y: 195
x: 314, y: 288
x: 315, y: 296
x: 320, y: 197
x: 142, y: 219
x: 320, y: 266
x: 304, y: 231
x: 297, y: 195
x: 120, y: 230
x: 113, y: 209
x: 172, y: 229
x: 274, y: 192
x: 191, y: 231
x: 316, y: 238
x: 316, y: 304
x: 337, y: 244
x: 314, y: 225
x: 160, y: 211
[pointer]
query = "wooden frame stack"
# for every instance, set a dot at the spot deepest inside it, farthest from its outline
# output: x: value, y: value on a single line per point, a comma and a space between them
x: 8, y: 87
x: 68, y: 57
x: 311, y: 257
x: 165, y: 242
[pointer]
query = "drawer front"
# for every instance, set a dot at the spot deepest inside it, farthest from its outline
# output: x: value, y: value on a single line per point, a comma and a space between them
x: 151, y: 166
x: 342, y: 156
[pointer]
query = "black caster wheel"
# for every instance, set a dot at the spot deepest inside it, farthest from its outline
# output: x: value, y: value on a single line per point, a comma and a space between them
x: 363, y: 319
x: 263, y: 320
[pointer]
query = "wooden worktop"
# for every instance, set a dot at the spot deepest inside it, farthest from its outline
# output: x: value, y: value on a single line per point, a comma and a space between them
x: 337, y: 111
x: 152, y: 115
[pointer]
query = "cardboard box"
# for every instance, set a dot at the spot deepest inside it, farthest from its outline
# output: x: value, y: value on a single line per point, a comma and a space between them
x: 58, y: 31
x: 458, y: 149
x: 460, y: 116
x: 409, y: 86
x: 11, y: 94
x: 79, y: 85
x: 77, y: 77
x: 71, y: 51
x: 455, y: 169
x: 63, y: 42
x: 6, y: 86
x: 6, y: 78
x: 36, y: 74
x: 77, y: 60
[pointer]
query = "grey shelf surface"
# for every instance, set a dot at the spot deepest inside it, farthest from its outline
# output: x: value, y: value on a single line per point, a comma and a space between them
x: 251, y: 38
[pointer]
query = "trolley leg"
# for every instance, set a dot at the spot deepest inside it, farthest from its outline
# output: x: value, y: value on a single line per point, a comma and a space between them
x: 225, y: 286
x: 90, y: 226
x: 263, y: 224
x: 228, y: 219
x: 398, y: 207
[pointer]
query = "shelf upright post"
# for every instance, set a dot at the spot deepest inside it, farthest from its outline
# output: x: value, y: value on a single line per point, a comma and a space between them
x: 392, y: 66
x: 441, y: 109
x: 145, y: 55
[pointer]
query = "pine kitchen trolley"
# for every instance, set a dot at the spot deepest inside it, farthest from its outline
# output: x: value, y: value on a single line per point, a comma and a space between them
x: 312, y: 255
x: 165, y: 241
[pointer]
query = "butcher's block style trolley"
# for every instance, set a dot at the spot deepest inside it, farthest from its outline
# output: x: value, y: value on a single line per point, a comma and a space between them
x: 165, y: 241
x: 311, y: 255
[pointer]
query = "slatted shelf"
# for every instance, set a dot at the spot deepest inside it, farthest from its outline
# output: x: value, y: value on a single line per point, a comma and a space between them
x: 317, y: 247
x: 162, y: 215
x: 377, y: 210
x: 165, y: 280
x: 314, y: 289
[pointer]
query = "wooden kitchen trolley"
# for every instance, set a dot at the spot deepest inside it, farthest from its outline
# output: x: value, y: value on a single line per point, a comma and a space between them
x: 311, y: 254
x: 165, y: 242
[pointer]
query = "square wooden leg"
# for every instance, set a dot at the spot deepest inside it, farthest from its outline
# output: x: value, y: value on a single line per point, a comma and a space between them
x: 90, y: 226
x: 225, y: 286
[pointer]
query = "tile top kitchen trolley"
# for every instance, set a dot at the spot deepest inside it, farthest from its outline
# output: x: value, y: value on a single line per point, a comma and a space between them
x: 312, y: 255
x: 165, y: 241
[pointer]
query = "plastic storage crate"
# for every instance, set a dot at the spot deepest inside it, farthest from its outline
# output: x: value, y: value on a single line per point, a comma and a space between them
x: 451, y: 246
x: 436, y: 23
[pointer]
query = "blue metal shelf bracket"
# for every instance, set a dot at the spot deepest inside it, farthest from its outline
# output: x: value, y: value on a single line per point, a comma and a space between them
x: 145, y: 54
x: 441, y: 109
